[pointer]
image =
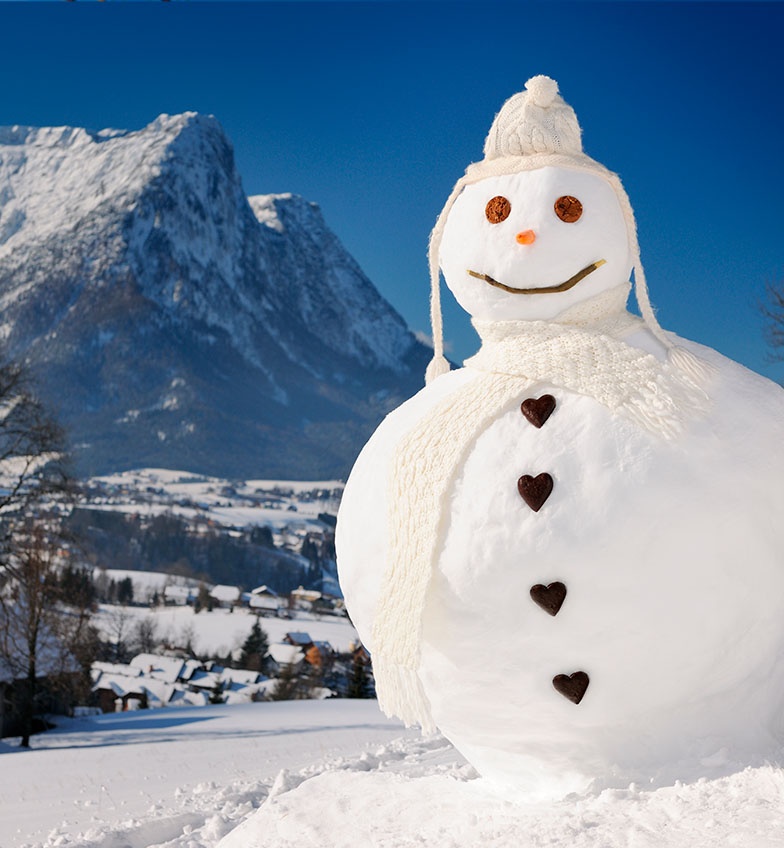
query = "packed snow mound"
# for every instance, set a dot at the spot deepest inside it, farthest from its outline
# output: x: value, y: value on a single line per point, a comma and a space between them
x: 410, y: 792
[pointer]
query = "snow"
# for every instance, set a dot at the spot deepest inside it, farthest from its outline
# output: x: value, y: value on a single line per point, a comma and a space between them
x: 139, y: 779
x: 221, y: 631
x: 280, y: 504
x: 335, y: 774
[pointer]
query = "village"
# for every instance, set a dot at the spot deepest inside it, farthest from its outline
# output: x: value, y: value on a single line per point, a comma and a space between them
x: 283, y: 663
x: 168, y: 631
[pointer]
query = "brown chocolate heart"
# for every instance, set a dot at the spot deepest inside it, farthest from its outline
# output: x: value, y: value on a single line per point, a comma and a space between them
x: 550, y: 598
x: 538, y: 410
x: 535, y: 490
x: 572, y: 686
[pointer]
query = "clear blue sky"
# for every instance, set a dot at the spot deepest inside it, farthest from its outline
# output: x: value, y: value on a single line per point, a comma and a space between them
x: 374, y: 109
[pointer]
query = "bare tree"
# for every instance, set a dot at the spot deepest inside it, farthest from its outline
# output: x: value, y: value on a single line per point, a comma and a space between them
x: 118, y: 622
x: 33, y: 460
x: 773, y: 310
x: 145, y: 638
x: 42, y: 631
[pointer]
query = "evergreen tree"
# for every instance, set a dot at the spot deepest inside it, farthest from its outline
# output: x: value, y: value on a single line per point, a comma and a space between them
x: 216, y: 694
x: 203, y: 599
x: 125, y: 591
x: 255, y: 648
x: 359, y: 686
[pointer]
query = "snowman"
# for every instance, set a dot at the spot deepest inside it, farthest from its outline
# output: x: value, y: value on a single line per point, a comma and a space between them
x: 568, y: 555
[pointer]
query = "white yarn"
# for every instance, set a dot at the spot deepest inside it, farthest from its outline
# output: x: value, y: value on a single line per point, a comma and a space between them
x: 584, y: 356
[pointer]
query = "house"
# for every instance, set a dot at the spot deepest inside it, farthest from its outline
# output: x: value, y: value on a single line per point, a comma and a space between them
x: 239, y: 677
x: 205, y: 681
x: 299, y: 639
x: 265, y: 601
x: 226, y: 597
x: 118, y: 693
x: 319, y: 655
x: 282, y: 654
x: 303, y: 599
x: 179, y: 595
x: 168, y: 669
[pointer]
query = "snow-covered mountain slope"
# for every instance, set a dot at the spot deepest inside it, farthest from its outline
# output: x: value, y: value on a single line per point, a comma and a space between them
x: 174, y: 323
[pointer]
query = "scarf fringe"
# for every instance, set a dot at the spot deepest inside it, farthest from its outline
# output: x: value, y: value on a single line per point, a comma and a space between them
x: 696, y: 369
x: 401, y: 694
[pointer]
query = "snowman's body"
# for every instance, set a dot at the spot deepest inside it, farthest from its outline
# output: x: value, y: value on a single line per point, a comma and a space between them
x: 669, y: 545
x: 671, y: 554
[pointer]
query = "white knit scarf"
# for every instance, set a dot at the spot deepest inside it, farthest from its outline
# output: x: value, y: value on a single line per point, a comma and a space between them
x: 585, y: 355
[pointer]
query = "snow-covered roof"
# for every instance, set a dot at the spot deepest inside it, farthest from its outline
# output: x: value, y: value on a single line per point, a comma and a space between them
x: 116, y: 668
x: 204, y: 679
x: 191, y: 666
x: 168, y: 669
x: 306, y: 594
x: 241, y: 676
x: 119, y: 684
x: 229, y: 594
x: 185, y: 698
x: 284, y: 654
x: 264, y: 590
x: 158, y: 690
x: 298, y: 637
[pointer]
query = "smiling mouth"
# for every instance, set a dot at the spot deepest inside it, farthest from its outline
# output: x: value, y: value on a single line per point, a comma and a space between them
x: 561, y: 287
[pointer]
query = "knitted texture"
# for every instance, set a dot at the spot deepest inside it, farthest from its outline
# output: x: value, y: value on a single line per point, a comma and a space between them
x: 586, y: 357
x: 422, y: 474
x: 536, y: 120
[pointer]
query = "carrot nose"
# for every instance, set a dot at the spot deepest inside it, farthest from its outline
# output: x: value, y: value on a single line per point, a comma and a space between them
x: 526, y: 237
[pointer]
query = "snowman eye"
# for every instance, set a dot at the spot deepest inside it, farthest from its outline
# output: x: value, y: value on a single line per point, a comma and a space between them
x: 568, y: 208
x: 497, y: 209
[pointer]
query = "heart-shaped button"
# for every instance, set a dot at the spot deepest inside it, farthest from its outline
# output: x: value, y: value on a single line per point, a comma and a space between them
x: 538, y: 410
x: 535, y: 490
x: 572, y: 686
x: 550, y: 598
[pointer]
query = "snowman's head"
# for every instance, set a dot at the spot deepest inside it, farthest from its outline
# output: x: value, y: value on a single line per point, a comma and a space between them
x: 532, y: 244
x: 535, y: 228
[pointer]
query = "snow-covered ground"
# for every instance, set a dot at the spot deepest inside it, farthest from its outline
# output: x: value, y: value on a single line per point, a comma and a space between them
x: 185, y: 774
x: 332, y: 774
x: 280, y: 504
x: 221, y: 631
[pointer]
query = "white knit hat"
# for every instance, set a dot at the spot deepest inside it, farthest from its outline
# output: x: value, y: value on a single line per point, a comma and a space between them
x: 534, y: 121
x: 534, y: 129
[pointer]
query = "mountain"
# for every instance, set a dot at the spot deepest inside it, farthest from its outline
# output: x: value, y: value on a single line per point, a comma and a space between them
x: 174, y: 322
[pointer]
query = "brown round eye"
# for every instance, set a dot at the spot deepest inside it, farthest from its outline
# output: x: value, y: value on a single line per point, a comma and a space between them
x: 498, y: 209
x: 568, y: 208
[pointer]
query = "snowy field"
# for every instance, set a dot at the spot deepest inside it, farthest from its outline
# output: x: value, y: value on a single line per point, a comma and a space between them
x: 221, y: 631
x: 332, y: 773
x: 280, y: 504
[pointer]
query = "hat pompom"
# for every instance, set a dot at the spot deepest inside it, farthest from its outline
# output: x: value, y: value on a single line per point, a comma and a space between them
x: 542, y: 90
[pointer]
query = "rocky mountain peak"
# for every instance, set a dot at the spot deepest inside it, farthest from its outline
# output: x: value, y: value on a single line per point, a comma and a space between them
x: 162, y: 308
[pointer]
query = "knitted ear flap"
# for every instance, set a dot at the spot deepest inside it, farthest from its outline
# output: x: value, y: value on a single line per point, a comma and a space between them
x: 439, y: 364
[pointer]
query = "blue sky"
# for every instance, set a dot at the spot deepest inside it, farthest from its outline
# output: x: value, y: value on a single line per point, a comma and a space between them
x: 374, y: 109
